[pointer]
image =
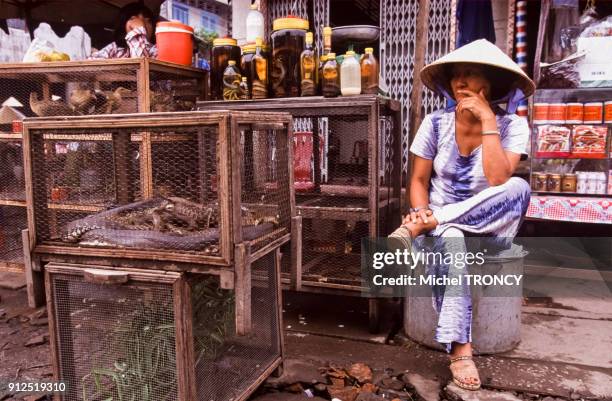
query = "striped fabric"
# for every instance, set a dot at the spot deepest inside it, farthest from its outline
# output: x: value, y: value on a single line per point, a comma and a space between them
x: 521, y: 46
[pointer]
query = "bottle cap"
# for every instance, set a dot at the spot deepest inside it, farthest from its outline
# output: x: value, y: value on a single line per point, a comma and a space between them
x: 369, y: 50
x: 231, y: 62
x: 331, y: 56
x: 253, y: 6
x: 225, y: 42
x: 327, y: 30
x: 244, y: 79
x: 349, y: 53
x: 290, y: 22
x: 323, y: 58
x: 309, y: 37
x: 258, y: 42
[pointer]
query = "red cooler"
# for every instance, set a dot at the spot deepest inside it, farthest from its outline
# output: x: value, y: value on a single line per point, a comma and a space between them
x: 174, y: 42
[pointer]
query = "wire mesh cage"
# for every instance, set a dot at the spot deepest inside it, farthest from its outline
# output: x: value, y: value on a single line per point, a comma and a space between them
x: 13, y: 219
x: 347, y: 164
x: 136, y: 335
x: 185, y: 187
x: 102, y: 86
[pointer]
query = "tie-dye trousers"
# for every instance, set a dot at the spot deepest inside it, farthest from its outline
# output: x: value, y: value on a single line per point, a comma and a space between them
x: 496, y: 212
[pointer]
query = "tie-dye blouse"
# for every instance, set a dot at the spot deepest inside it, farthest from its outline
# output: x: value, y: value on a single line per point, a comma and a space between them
x: 456, y: 177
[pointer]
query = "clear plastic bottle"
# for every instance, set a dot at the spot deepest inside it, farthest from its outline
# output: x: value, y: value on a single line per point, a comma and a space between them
x: 231, y: 81
x: 350, y: 75
x: 254, y: 24
x: 308, y: 68
x: 369, y: 72
x: 330, y: 80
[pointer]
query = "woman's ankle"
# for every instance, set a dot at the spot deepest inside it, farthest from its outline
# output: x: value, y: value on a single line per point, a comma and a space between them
x: 459, y: 349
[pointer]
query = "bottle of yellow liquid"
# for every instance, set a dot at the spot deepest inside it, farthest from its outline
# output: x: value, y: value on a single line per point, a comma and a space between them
x: 350, y: 75
x: 330, y: 80
x: 369, y: 72
x: 260, y: 74
x: 231, y: 81
x: 308, y: 68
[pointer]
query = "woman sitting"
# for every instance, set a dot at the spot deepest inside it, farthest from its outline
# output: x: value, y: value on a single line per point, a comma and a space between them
x: 134, y: 34
x: 461, y: 183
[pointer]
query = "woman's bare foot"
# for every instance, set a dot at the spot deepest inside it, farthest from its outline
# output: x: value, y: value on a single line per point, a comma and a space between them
x: 463, y: 368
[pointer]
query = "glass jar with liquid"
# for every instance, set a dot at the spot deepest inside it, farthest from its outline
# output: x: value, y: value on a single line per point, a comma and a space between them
x: 287, y: 45
x: 248, y: 69
x: 224, y: 49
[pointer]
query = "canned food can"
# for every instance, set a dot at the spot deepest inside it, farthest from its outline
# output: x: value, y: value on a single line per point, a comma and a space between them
x: 601, y: 183
x: 540, y: 113
x: 593, y: 113
x: 608, y: 112
x: 591, y: 183
x: 557, y: 113
x: 581, y: 182
x: 539, y: 182
x: 575, y: 113
x: 554, y: 183
x: 568, y: 183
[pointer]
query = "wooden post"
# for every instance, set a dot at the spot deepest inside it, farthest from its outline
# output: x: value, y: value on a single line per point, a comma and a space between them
x: 242, y: 286
x: 420, y: 50
x: 279, y: 309
x: 185, y: 354
x: 35, y: 280
x: 544, y: 11
x: 296, y: 253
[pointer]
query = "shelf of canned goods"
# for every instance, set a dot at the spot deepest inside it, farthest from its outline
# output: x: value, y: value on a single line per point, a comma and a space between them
x: 571, y: 172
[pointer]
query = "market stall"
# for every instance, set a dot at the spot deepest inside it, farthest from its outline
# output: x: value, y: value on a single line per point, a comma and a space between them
x: 571, y: 116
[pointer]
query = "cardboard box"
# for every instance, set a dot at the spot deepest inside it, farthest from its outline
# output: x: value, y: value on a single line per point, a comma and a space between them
x: 596, y: 68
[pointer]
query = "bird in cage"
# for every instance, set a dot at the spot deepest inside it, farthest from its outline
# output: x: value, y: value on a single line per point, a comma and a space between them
x: 82, y: 101
x: 109, y: 102
x: 49, y: 107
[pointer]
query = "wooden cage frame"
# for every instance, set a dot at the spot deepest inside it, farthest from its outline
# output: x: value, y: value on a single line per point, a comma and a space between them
x: 229, y: 185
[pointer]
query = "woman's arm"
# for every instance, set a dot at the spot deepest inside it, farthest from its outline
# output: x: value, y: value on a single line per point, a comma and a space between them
x: 139, y: 44
x: 419, y: 188
x: 498, y: 164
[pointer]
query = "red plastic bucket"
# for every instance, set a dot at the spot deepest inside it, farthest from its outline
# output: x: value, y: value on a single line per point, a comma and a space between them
x: 174, y: 42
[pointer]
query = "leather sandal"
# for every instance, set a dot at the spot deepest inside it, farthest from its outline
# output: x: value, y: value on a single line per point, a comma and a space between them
x: 463, y: 374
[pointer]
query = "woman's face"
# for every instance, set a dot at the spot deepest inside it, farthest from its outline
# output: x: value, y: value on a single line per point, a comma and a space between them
x: 470, y: 77
x: 138, y: 21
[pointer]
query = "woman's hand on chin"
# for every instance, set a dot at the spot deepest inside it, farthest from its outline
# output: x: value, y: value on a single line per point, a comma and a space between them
x: 477, y: 104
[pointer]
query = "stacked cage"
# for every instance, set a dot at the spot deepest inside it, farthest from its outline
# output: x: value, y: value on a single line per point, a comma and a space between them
x: 79, y: 88
x: 165, y: 232
x: 347, y: 169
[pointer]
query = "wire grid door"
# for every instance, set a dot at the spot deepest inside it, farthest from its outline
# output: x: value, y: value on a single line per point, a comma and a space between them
x: 119, y: 341
x: 240, y: 361
x: 12, y: 200
x: 113, y: 341
x: 265, y: 187
x: 397, y: 49
x: 13, y: 219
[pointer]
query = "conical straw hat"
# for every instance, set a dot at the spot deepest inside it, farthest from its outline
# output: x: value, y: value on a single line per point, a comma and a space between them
x: 508, y: 75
